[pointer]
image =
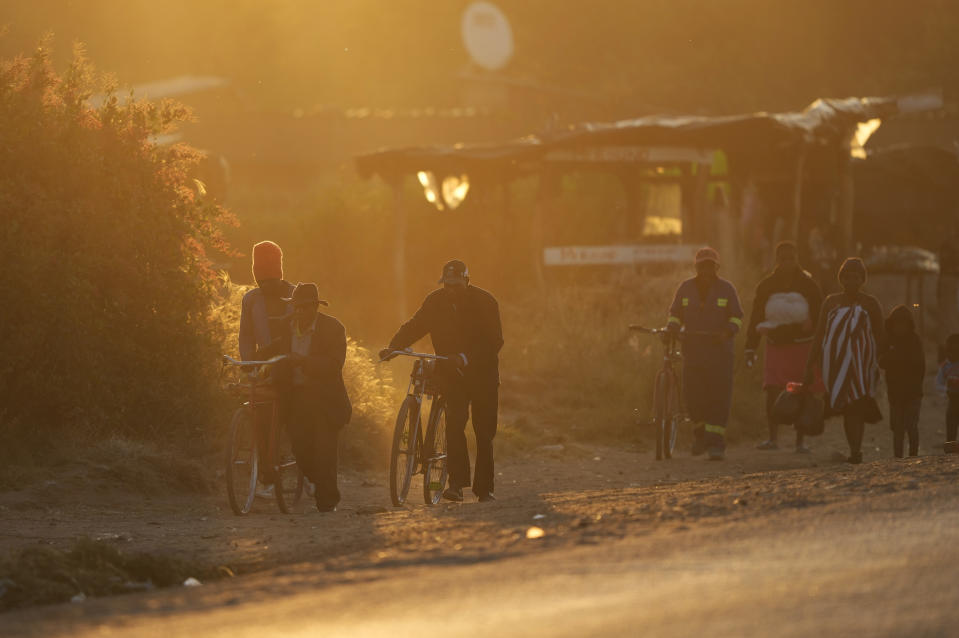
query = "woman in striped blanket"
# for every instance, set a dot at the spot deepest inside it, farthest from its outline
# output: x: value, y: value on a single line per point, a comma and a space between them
x: 847, y: 343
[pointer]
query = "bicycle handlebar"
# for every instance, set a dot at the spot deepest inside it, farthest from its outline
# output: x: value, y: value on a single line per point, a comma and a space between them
x: 678, y: 333
x: 230, y: 361
x: 415, y: 355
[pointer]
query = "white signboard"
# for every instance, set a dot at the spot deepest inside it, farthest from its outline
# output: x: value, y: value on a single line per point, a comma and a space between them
x: 624, y: 254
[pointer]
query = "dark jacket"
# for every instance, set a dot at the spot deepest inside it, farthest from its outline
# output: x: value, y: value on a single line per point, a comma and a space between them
x: 903, y: 359
x: 323, y: 368
x: 471, y: 327
x: 784, y: 281
x: 715, y: 310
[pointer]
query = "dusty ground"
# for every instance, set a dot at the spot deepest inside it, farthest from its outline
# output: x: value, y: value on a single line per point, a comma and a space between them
x: 619, y: 528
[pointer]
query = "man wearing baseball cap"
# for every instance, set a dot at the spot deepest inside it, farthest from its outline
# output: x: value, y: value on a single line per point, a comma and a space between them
x: 464, y: 324
x: 708, y: 309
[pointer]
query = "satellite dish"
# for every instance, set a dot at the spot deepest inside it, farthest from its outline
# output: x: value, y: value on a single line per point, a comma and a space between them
x: 487, y: 35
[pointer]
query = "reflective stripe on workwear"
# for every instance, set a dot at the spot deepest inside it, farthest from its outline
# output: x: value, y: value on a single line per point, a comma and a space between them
x: 716, y: 429
x: 736, y: 321
x: 674, y: 320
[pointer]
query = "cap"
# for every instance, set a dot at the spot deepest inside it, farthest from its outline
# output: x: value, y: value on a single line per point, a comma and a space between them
x: 707, y: 254
x: 455, y: 272
x: 306, y: 294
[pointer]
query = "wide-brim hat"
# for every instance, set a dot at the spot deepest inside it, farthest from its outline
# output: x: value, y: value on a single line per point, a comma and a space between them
x: 306, y: 293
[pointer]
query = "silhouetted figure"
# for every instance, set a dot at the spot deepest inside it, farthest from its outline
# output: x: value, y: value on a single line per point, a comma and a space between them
x: 463, y: 322
x: 785, y: 311
x: 847, y: 344
x: 947, y: 382
x: 708, y: 308
x: 310, y: 383
x: 262, y: 314
x: 905, y: 364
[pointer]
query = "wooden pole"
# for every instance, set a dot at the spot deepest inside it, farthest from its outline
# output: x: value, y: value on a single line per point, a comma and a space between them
x: 846, y: 204
x: 540, y: 210
x: 399, y: 246
x: 796, y: 213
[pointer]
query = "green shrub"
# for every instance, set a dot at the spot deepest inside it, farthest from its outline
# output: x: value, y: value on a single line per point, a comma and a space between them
x: 106, y: 287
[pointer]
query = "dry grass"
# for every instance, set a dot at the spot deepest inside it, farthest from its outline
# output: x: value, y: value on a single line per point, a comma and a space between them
x: 43, y: 575
x: 572, y: 372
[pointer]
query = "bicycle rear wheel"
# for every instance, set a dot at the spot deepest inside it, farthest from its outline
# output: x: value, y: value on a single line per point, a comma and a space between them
x: 289, y: 478
x: 435, y: 468
x: 403, y: 459
x: 241, y: 462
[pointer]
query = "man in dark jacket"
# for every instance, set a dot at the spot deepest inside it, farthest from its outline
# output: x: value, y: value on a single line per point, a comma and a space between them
x: 464, y: 324
x: 310, y: 383
x: 785, y: 310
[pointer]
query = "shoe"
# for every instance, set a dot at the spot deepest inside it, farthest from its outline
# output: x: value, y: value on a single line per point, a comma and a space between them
x: 486, y: 498
x: 802, y: 449
x: 699, y: 446
x: 453, y: 494
x: 768, y: 445
x: 716, y: 454
x: 323, y: 509
x: 855, y: 459
x: 268, y: 492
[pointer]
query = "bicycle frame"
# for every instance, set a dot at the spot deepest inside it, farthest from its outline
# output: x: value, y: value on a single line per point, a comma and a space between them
x: 253, y: 402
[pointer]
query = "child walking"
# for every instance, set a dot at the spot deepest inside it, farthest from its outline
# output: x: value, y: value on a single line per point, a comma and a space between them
x: 947, y: 381
x: 905, y: 364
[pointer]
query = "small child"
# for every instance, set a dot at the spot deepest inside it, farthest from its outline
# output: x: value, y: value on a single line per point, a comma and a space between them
x: 905, y: 364
x: 947, y: 381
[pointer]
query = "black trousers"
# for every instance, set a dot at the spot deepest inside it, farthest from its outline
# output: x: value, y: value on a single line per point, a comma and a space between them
x: 482, y: 398
x: 903, y: 421
x: 952, y: 417
x: 315, y: 445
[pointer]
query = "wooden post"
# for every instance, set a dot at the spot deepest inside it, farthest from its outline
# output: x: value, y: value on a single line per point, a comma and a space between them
x: 792, y: 229
x: 399, y: 246
x: 705, y: 227
x: 547, y: 186
x: 846, y: 204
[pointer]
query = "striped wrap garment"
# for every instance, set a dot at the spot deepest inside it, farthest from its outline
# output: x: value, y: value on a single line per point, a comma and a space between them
x: 850, y: 366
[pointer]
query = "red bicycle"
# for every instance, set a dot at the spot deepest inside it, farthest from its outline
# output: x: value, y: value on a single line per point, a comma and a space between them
x: 255, y: 440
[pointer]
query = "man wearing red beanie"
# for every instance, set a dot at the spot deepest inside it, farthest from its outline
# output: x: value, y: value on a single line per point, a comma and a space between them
x: 263, y: 307
x: 262, y: 315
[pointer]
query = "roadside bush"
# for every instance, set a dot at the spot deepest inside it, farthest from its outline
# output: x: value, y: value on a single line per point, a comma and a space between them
x: 105, y: 290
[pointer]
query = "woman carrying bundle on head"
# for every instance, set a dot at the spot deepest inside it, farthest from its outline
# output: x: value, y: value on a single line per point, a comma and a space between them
x: 847, y: 345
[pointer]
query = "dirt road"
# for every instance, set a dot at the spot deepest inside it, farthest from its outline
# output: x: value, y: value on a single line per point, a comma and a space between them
x: 763, y: 543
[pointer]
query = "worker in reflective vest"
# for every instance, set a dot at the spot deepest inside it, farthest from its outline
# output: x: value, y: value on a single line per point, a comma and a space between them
x: 707, y: 308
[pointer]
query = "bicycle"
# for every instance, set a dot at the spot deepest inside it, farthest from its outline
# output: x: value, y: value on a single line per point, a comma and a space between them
x: 667, y: 392
x: 247, y: 435
x: 410, y: 452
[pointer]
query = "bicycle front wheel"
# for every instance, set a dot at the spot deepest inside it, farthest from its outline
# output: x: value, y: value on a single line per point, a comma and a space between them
x: 435, y: 468
x: 406, y: 436
x: 667, y: 414
x: 241, y: 462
